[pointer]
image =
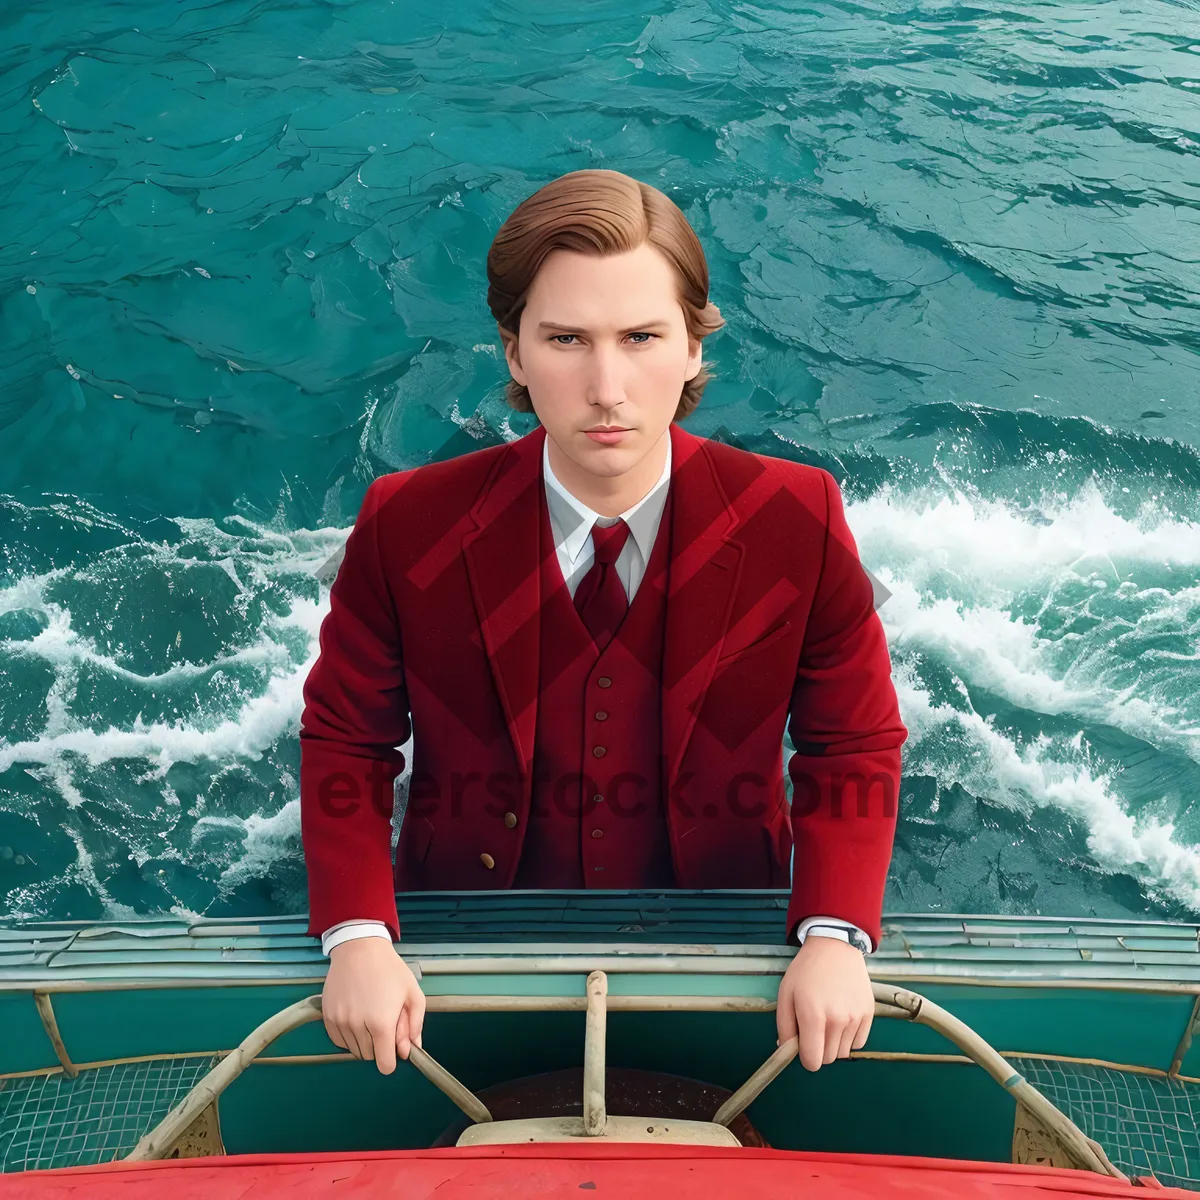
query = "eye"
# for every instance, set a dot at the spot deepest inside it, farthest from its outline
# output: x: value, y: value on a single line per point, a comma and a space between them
x: 557, y: 336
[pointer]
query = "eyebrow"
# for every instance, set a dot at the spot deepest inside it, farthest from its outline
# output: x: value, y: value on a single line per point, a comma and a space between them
x: 576, y: 329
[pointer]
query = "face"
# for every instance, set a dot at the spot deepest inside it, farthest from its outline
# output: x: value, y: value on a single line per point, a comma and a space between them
x: 603, y: 344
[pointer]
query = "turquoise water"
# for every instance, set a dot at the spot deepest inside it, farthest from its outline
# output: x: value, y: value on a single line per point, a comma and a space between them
x: 958, y: 251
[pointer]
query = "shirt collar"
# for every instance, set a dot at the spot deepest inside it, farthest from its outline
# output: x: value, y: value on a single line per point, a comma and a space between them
x: 573, y: 520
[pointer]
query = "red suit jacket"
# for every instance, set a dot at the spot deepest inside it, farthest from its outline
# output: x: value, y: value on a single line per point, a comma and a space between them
x: 433, y: 631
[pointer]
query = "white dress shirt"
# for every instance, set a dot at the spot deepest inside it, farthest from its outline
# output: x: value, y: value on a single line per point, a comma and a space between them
x: 571, y: 523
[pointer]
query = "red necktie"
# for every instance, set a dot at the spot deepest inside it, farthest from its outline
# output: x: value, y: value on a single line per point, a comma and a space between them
x: 600, y: 597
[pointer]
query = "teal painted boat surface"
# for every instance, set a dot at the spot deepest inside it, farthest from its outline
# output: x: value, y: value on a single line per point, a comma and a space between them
x: 1096, y: 1014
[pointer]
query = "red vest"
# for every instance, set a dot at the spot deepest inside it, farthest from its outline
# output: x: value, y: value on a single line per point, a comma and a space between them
x: 597, y: 818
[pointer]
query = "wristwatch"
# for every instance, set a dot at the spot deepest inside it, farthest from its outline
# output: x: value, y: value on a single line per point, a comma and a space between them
x: 856, y: 939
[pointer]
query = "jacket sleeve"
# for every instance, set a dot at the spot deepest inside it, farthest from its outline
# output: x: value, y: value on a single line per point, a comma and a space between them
x: 355, y: 717
x: 844, y: 721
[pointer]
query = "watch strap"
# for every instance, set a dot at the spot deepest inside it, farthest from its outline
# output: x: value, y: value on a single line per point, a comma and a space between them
x: 852, y: 936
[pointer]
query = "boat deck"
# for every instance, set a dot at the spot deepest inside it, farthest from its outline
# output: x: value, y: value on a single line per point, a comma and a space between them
x: 109, y: 1023
x: 715, y: 926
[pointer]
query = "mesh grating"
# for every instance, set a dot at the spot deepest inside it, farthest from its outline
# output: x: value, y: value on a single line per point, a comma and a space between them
x: 55, y: 1121
x: 1146, y: 1123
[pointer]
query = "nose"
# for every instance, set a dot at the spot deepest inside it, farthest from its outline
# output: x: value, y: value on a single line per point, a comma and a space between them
x: 606, y: 387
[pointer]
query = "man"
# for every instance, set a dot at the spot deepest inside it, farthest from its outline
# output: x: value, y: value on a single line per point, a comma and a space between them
x: 594, y: 635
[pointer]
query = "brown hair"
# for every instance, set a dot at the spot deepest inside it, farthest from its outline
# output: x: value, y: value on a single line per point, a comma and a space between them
x: 598, y: 212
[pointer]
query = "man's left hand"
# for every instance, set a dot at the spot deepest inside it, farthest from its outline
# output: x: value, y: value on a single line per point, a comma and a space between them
x: 825, y: 999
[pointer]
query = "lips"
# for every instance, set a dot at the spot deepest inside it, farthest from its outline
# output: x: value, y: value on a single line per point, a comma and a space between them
x: 608, y: 436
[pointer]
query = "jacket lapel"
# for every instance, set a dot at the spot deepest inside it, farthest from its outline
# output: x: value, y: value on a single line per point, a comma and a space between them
x: 501, y: 556
x: 705, y: 565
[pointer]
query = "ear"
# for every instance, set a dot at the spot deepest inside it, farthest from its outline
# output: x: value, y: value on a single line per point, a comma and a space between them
x: 695, y: 360
x: 512, y: 356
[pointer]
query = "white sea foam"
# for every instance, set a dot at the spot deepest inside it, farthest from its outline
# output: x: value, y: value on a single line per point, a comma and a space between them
x: 990, y: 557
x: 245, y: 734
x: 84, y: 870
x: 995, y: 544
x: 260, y: 553
x: 266, y: 839
x: 67, y: 750
x: 67, y: 649
x: 988, y: 764
x: 1006, y: 655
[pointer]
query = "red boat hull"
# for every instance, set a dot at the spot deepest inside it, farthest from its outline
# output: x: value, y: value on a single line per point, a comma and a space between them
x: 542, y: 1172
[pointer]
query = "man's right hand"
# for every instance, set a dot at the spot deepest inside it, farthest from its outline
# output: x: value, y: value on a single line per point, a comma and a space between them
x: 372, y: 1004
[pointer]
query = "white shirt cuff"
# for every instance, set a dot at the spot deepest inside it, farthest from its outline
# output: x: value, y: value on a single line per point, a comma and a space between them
x: 803, y: 928
x: 347, y: 931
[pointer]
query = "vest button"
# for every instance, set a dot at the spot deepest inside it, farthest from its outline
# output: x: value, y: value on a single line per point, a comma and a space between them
x: 602, y: 716
x: 599, y: 751
x: 604, y: 681
x: 487, y: 860
x: 598, y: 799
x: 510, y: 819
x: 597, y: 833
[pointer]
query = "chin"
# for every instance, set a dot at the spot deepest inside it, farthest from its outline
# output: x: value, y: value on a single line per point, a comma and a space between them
x: 610, y: 461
